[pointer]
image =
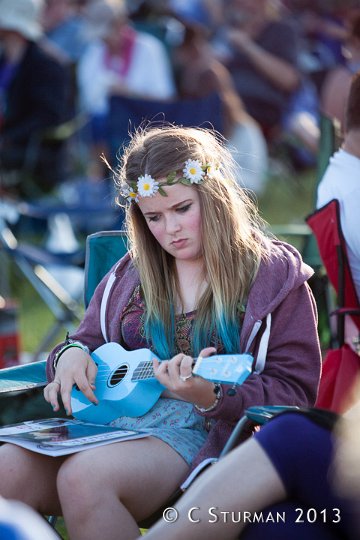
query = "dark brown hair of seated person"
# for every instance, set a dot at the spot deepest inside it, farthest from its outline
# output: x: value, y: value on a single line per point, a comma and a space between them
x: 353, y: 104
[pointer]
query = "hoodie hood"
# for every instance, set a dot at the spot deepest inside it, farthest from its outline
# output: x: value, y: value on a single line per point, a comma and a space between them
x: 280, y: 273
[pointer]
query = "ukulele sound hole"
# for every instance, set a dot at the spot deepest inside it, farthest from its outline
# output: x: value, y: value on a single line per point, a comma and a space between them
x: 118, y: 375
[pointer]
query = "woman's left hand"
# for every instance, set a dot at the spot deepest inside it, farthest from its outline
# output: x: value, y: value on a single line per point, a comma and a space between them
x: 176, y: 375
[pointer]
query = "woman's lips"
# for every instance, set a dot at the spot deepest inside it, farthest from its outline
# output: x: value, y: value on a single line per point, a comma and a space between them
x: 179, y: 243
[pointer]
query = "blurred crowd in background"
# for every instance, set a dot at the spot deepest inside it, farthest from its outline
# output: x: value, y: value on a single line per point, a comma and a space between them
x: 276, y: 65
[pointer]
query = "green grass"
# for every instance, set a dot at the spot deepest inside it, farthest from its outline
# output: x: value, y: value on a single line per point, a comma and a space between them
x: 35, y: 318
x: 288, y: 198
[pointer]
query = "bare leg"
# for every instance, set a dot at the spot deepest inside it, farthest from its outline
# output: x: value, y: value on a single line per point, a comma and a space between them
x: 105, y: 491
x: 30, y: 478
x: 245, y: 481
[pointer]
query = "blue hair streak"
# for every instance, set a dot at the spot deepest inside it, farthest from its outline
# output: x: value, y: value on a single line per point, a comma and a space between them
x: 224, y: 334
x: 162, y: 341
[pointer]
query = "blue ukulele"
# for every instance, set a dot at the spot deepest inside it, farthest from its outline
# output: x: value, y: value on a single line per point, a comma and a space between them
x: 126, y: 386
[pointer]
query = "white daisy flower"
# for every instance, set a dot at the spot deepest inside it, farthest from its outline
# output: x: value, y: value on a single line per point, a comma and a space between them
x: 147, y: 186
x: 129, y: 194
x: 193, y: 171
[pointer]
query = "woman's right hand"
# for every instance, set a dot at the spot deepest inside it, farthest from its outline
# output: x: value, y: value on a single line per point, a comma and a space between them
x: 75, y: 366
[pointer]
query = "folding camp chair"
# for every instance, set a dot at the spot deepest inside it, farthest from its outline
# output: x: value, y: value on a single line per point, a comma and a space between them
x: 342, y: 364
x: 50, y: 274
x: 21, y: 386
x: 54, y: 268
x: 103, y: 249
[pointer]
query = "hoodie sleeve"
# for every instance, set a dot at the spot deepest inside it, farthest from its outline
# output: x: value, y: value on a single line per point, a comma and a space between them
x: 89, y: 331
x: 293, y: 363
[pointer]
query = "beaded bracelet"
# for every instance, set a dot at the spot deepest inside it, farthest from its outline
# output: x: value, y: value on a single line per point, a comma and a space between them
x: 218, y: 395
x: 77, y: 344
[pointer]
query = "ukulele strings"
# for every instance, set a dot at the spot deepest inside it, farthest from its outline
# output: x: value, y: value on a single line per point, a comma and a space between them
x: 143, y: 371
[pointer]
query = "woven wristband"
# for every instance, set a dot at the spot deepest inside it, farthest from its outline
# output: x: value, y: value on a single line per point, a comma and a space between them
x: 77, y: 344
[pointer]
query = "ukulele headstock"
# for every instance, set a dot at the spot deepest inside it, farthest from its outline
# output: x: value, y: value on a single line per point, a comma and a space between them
x: 224, y: 368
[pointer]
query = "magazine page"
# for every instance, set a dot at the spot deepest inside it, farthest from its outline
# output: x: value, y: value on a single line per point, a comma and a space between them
x: 61, y: 436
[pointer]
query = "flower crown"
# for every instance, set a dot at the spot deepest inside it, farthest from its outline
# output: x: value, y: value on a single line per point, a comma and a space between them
x: 146, y: 186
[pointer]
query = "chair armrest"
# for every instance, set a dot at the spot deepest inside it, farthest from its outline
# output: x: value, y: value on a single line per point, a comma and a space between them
x: 23, y: 377
x: 260, y: 415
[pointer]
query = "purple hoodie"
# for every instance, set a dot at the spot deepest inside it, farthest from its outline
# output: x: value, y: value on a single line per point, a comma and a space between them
x: 286, y: 341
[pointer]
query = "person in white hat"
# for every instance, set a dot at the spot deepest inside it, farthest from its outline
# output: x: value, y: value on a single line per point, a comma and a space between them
x: 21, y: 16
x: 120, y: 60
x: 33, y: 96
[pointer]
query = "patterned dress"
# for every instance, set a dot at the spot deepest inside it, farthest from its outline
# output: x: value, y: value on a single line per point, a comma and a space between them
x: 173, y: 421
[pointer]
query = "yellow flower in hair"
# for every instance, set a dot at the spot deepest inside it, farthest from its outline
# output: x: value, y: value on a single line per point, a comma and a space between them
x: 147, y: 186
x: 132, y: 196
x: 193, y: 171
x: 128, y: 193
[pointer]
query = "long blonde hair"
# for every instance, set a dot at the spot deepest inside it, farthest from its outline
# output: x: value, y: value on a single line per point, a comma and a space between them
x: 232, y: 232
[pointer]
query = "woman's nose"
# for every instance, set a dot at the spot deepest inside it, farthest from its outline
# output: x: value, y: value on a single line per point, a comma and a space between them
x: 172, y: 224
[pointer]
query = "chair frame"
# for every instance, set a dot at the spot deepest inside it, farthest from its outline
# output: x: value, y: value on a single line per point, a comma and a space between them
x: 32, y: 263
x: 98, y: 245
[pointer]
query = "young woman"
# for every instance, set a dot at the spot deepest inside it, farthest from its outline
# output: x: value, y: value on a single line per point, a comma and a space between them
x: 200, y: 277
